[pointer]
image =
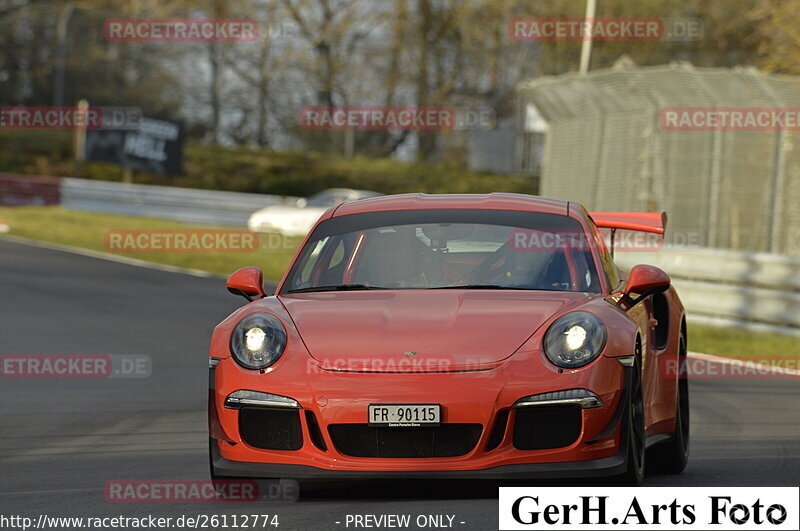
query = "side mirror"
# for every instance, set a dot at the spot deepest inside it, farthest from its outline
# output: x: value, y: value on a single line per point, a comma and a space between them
x: 646, y: 280
x: 247, y: 282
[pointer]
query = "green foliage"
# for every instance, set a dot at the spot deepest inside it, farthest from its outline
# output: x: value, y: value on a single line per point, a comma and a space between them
x: 259, y: 171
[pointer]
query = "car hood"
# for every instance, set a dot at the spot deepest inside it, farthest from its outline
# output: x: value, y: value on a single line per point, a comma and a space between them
x: 421, y: 330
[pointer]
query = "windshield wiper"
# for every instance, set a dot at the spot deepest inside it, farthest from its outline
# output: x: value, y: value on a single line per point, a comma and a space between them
x: 339, y: 287
x: 479, y: 286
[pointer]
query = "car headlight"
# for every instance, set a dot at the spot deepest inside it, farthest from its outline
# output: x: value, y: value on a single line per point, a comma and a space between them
x: 257, y: 341
x: 575, y: 340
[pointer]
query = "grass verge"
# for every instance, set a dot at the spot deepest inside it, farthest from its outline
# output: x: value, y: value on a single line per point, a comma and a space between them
x: 745, y: 345
x: 88, y: 230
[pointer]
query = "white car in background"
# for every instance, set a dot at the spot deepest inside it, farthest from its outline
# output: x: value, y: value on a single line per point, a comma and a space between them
x: 298, y: 219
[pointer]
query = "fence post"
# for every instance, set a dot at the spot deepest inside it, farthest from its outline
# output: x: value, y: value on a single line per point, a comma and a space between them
x: 778, y: 186
x: 602, y: 151
x: 775, y: 214
x: 714, y: 189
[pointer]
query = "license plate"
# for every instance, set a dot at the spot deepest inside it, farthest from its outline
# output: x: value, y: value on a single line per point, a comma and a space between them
x: 404, y: 415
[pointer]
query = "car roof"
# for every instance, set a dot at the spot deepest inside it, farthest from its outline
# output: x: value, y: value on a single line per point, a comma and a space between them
x: 493, y: 201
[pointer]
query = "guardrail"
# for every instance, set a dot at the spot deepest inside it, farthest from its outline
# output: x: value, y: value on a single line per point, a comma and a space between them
x: 731, y: 287
x: 181, y: 204
x: 165, y: 202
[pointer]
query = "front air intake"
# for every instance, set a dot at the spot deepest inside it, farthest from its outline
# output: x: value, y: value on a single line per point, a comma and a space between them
x: 547, y: 427
x: 446, y: 440
x: 271, y: 429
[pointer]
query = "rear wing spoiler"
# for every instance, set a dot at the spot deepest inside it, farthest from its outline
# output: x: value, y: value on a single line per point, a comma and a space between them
x: 653, y: 222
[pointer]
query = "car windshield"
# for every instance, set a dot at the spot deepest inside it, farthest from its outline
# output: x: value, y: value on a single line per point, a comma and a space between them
x: 446, y: 249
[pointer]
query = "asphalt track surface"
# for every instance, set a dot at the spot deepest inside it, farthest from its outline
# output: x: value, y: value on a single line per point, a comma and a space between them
x: 62, y: 439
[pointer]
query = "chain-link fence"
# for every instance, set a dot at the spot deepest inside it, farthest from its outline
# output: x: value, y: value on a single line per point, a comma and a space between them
x: 608, y: 149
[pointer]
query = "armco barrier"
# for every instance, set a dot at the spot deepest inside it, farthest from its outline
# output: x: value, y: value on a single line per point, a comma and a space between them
x: 731, y: 286
x: 181, y: 204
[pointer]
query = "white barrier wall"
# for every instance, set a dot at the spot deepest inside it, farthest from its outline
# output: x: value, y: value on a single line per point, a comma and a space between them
x: 730, y: 285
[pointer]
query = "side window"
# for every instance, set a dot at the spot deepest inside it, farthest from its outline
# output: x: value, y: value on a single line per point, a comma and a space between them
x: 338, y: 256
x: 311, y: 260
x: 607, y: 263
x: 329, y: 268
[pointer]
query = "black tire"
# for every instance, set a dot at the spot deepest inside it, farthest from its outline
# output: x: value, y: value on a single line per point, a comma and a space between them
x: 220, y: 481
x: 634, y: 475
x: 672, y: 456
x: 212, y: 474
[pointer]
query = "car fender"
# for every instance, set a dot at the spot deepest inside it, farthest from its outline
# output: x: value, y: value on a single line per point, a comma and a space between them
x: 621, y: 330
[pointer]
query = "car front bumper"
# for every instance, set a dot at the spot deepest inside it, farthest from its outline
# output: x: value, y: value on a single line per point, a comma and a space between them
x: 595, y: 468
x: 475, y: 397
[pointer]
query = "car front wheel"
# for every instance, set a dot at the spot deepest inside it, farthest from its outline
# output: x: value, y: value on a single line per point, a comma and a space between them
x: 634, y: 475
x: 672, y: 456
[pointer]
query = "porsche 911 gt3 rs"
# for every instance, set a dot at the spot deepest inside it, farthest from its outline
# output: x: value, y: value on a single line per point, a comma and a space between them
x: 453, y: 336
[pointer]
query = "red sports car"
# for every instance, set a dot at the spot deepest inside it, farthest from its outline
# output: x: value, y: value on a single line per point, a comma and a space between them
x: 453, y: 336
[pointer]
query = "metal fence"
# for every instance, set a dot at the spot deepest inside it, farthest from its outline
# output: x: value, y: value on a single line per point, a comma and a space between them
x: 606, y: 148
